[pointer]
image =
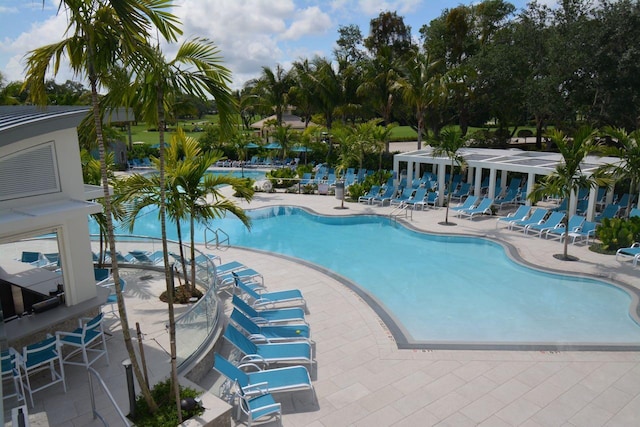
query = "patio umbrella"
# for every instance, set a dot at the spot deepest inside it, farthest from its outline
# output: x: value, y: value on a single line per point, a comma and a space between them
x: 252, y: 145
x: 166, y: 144
x: 301, y: 150
x: 273, y: 146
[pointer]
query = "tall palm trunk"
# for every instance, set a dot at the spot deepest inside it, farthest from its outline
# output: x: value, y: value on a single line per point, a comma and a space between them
x: 126, y: 334
x: 193, y: 253
x: 167, y: 268
x: 183, y: 261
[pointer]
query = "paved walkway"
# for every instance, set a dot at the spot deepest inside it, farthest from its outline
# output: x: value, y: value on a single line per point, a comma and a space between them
x: 362, y: 379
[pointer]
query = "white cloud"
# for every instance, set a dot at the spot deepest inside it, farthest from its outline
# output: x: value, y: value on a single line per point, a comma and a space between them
x: 306, y: 22
x: 39, y: 34
x: 374, y: 7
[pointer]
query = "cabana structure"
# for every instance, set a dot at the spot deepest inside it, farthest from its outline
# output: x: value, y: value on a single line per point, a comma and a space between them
x: 496, y: 163
x: 42, y: 193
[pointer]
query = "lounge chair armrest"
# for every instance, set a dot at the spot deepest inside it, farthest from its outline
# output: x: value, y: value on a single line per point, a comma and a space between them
x: 68, y: 334
x: 258, y: 337
x: 253, y: 358
x: 250, y: 365
x: 257, y: 388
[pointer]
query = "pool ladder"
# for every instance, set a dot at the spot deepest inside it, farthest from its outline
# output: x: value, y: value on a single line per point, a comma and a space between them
x: 401, y: 209
x: 218, y: 236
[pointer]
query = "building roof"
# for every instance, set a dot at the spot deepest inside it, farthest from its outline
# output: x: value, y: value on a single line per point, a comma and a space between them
x: 512, y: 160
x: 19, y: 122
x: 287, y: 119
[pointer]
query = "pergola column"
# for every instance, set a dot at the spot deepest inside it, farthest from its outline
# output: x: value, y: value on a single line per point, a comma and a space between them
x: 470, y: 170
x: 492, y: 184
x: 503, y: 181
x: 591, y: 204
x: 531, y: 181
x: 478, y: 182
x: 441, y: 185
x: 396, y: 170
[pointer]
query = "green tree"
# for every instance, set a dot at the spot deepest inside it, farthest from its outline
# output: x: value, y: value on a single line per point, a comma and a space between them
x: 448, y: 143
x: 272, y: 88
x: 567, y: 179
x: 195, y: 70
x: 99, y: 35
x: 627, y: 149
x: 418, y: 85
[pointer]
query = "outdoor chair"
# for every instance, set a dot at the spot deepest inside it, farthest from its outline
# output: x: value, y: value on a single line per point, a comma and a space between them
x: 269, y: 317
x: 270, y: 333
x: 278, y: 380
x: 88, y: 339
x: 38, y: 357
x: 11, y: 374
x: 257, y: 407
x: 632, y: 252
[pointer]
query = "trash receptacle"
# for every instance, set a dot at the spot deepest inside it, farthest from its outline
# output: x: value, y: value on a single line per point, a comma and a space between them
x: 340, y: 190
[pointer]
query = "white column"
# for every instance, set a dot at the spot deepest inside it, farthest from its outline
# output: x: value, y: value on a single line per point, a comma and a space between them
x: 478, y: 182
x: 492, y: 184
x: 591, y: 205
x: 609, y: 198
x: 441, y: 184
x: 574, y: 203
x: 396, y: 170
x: 531, y: 181
x: 410, y: 166
x: 503, y: 181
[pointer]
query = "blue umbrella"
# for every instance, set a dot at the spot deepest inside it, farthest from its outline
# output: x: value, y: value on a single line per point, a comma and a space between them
x: 252, y: 145
x: 273, y: 146
x: 301, y: 150
x: 158, y: 145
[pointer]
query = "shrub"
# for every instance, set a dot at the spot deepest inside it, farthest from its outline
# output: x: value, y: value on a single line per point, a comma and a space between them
x: 616, y: 233
x: 356, y: 190
x: 282, y: 178
x: 167, y: 414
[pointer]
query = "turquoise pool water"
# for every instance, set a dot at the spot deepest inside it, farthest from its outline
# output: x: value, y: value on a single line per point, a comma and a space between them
x: 246, y: 173
x: 441, y: 288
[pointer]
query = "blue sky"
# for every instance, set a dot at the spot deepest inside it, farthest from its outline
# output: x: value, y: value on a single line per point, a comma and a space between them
x: 249, y: 33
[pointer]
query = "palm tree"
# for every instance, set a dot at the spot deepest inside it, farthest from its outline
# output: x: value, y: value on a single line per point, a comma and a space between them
x: 567, y: 179
x: 448, y: 143
x: 273, y: 88
x: 381, y: 135
x: 628, y: 150
x: 99, y: 35
x: 418, y: 85
x: 196, y: 70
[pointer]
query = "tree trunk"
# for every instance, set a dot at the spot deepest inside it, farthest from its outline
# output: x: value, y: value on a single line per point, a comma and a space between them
x: 122, y: 312
x: 183, y: 261
x: 193, y: 254
x: 539, y: 123
x: 167, y: 268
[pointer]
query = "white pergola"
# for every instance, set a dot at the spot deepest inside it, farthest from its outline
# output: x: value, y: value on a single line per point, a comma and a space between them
x: 498, y: 161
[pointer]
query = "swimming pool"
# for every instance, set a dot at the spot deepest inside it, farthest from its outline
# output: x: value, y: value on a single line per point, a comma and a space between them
x: 246, y: 173
x: 443, y: 290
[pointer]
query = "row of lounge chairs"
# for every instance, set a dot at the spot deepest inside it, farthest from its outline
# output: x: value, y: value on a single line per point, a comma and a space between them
x: 272, y: 339
x: 549, y: 224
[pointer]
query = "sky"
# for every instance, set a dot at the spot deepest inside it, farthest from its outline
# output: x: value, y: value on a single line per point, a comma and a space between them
x: 250, y: 34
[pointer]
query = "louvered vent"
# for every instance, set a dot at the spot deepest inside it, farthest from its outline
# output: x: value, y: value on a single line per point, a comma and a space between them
x: 29, y: 172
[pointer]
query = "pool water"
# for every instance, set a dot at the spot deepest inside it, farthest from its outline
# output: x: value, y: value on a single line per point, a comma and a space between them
x: 246, y: 173
x: 444, y: 289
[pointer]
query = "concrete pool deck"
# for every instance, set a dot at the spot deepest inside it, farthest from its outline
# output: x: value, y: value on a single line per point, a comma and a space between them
x: 362, y: 378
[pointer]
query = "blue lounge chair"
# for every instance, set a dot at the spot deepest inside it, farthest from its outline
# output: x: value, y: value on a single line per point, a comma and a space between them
x: 153, y: 258
x: 403, y: 197
x: 634, y: 212
x: 520, y: 214
x: 266, y: 333
x: 470, y: 202
x: 248, y: 275
x: 632, y: 252
x: 278, y: 380
x: 512, y: 197
x: 484, y: 208
x: 575, y: 222
x: 123, y: 259
x: 368, y: 198
x: 624, y: 200
x: 585, y: 231
x: 258, y: 407
x: 461, y: 192
x: 554, y: 220
x: 271, y: 299
x: 101, y: 275
x: 536, y: 217
x: 418, y: 199
x: 609, y: 211
x: 386, y: 196
x: 36, y: 259
x: 228, y: 267
x: 269, y: 317
x: 265, y: 354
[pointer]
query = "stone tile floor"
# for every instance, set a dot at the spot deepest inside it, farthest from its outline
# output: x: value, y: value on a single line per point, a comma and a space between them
x: 362, y: 379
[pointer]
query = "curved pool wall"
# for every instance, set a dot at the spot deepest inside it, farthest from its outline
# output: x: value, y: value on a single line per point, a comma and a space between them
x: 423, y: 291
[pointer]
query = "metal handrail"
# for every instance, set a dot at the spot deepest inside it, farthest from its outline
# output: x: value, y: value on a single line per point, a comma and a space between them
x: 109, y: 395
x: 397, y: 211
x: 216, y: 237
